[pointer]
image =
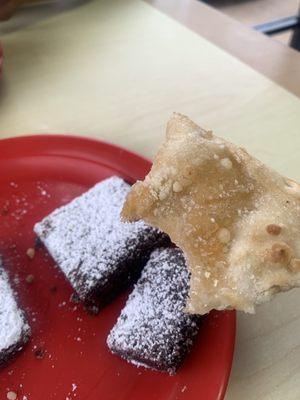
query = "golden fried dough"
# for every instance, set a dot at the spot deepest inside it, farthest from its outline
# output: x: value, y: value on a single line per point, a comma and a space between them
x: 236, y: 220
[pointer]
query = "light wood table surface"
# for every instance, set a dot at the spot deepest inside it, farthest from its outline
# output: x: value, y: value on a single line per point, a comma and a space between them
x: 116, y: 70
x: 275, y: 60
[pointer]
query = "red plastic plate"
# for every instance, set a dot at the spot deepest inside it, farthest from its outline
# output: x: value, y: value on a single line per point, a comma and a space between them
x: 39, y: 173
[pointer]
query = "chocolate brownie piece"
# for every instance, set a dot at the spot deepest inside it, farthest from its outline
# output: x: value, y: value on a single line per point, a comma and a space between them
x: 14, y: 330
x: 99, y: 254
x: 153, y: 330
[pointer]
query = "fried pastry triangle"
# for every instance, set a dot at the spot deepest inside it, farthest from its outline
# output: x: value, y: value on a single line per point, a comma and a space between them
x: 236, y: 220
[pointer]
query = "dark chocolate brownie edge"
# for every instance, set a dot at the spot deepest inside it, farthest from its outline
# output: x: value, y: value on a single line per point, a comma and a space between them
x: 9, y: 354
x: 127, y: 273
x: 137, y: 359
x: 186, y: 327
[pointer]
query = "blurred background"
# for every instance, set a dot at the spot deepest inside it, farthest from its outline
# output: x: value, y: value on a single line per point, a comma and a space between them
x: 278, y: 18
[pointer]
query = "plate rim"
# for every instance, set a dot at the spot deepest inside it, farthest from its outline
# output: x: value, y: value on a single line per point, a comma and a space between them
x: 76, y: 137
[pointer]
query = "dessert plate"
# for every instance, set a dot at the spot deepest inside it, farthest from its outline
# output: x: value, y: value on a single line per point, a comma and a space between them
x: 67, y: 357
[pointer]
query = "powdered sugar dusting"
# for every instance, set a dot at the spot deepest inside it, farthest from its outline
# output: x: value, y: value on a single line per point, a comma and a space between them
x: 87, y: 238
x: 153, y: 329
x: 12, y: 323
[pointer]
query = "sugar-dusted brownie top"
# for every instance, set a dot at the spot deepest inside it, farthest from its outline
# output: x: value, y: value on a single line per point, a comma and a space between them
x: 14, y: 330
x: 88, y: 240
x: 153, y: 329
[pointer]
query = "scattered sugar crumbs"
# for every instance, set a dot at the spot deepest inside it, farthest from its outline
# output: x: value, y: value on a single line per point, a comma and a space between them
x: 11, y: 395
x: 42, y: 189
x: 72, y: 394
x: 19, y: 202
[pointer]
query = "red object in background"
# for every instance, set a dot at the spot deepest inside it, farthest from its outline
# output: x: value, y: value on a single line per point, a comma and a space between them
x: 67, y: 357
